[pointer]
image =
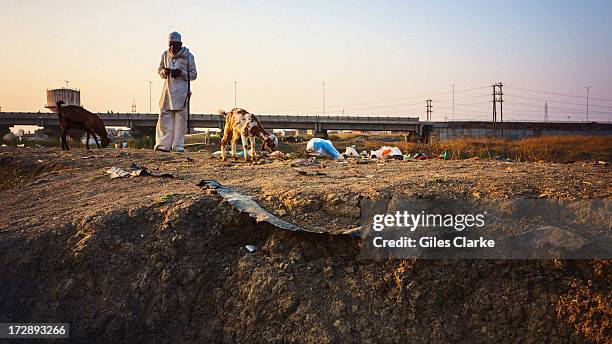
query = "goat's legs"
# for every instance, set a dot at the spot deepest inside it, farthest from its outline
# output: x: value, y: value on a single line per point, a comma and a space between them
x: 96, y: 139
x: 226, y: 135
x: 63, y: 139
x: 252, y: 139
x: 245, y: 152
x: 87, y: 141
x: 234, y: 139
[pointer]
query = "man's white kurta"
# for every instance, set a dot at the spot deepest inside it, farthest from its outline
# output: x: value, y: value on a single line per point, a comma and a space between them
x: 174, y: 94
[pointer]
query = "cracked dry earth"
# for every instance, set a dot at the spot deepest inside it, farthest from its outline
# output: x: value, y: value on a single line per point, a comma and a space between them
x: 146, y: 259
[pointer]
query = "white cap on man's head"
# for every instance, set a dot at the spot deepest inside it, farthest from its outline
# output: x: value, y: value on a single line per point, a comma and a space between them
x: 174, y: 37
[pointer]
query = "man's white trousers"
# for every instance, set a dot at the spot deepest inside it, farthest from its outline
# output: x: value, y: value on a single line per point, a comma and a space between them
x: 171, y: 130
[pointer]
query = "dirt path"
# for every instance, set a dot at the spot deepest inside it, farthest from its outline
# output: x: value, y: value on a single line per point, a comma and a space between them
x: 60, y: 186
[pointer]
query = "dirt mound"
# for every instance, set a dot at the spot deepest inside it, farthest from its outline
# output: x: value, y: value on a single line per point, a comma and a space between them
x: 179, y: 272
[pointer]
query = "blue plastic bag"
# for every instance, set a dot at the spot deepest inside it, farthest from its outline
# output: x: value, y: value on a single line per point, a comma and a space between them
x: 323, y: 147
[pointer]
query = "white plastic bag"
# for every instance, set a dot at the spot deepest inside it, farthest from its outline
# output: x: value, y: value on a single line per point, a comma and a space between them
x: 351, y: 152
x: 385, y: 151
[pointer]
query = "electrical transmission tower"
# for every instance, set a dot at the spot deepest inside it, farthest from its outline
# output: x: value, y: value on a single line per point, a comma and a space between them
x: 133, y: 105
x: 498, y: 97
x: 428, y: 109
x: 546, y: 111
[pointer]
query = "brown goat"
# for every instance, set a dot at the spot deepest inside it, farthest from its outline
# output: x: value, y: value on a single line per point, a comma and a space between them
x: 239, y: 123
x: 71, y: 116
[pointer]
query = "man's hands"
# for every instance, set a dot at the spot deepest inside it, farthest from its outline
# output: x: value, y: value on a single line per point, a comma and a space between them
x: 176, y: 73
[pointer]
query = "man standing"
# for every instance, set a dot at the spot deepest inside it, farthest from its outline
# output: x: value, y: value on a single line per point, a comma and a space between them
x: 177, y: 66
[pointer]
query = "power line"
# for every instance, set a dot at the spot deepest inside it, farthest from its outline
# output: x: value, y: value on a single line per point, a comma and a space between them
x: 559, y: 101
x: 557, y: 93
x: 390, y: 99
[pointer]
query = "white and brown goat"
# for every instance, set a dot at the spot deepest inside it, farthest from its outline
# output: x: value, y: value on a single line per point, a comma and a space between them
x: 239, y: 123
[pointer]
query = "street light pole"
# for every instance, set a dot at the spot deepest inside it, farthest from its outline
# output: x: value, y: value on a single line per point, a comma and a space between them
x: 323, y: 98
x: 587, y: 114
x: 453, y: 102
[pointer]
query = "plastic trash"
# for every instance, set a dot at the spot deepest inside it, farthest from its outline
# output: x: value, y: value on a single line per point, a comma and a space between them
x: 421, y: 156
x: 350, y: 152
x: 443, y: 155
x: 277, y: 155
x: 228, y: 154
x: 305, y: 162
x: 116, y: 172
x: 385, y: 152
x: 135, y: 171
x: 323, y: 148
x: 251, y: 248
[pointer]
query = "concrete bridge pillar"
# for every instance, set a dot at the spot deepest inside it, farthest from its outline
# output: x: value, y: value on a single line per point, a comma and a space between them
x: 321, y: 133
x: 143, y: 131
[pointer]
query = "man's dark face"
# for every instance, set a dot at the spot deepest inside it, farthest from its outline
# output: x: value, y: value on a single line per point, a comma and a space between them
x: 175, y: 47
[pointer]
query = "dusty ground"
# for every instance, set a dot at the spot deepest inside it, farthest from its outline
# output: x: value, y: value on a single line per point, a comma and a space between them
x: 158, y: 259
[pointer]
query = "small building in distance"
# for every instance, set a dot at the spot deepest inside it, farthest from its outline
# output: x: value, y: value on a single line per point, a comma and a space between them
x: 70, y: 96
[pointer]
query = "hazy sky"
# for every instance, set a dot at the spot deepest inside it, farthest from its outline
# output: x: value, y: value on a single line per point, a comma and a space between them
x: 376, y: 57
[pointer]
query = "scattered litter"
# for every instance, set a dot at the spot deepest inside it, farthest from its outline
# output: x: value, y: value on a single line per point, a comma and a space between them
x: 421, y: 156
x: 443, y: 155
x: 305, y: 162
x: 218, y: 155
x: 251, y: 248
x: 116, y: 172
x: 246, y: 204
x: 501, y: 158
x: 306, y: 173
x: 21, y: 145
x: 350, y: 152
x: 323, y: 148
x: 135, y: 171
x: 601, y: 163
x: 386, y: 152
x: 277, y: 155
x: 39, y: 161
x: 92, y: 156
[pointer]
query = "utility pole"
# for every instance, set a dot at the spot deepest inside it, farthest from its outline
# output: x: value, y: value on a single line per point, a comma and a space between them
x: 323, y: 98
x: 453, y: 102
x: 494, y: 114
x: 546, y: 111
x: 498, y: 98
x: 588, y: 88
x: 133, y: 105
x: 235, y: 88
x: 501, y: 108
x: 428, y: 108
x: 150, y: 83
